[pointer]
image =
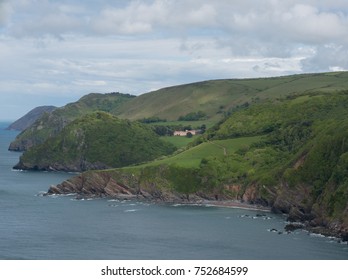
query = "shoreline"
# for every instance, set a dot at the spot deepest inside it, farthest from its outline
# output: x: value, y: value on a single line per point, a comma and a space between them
x: 235, y: 204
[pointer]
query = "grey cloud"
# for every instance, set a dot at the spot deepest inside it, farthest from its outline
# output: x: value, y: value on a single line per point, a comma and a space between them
x: 327, y: 58
x: 136, y: 46
x: 269, y: 21
x: 5, y: 11
x: 283, y: 24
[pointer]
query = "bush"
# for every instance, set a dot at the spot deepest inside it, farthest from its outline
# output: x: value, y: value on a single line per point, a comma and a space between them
x: 193, y: 116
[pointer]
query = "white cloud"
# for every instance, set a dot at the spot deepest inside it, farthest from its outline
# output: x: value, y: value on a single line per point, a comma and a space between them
x: 67, y: 48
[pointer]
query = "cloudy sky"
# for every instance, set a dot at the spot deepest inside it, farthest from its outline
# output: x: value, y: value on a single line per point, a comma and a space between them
x: 53, y: 52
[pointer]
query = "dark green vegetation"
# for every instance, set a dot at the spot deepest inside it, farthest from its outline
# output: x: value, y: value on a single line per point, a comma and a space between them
x: 279, y: 142
x: 50, y: 124
x: 218, y: 97
x: 96, y: 141
x: 274, y: 141
x: 193, y: 116
x: 215, y: 99
x: 290, y: 154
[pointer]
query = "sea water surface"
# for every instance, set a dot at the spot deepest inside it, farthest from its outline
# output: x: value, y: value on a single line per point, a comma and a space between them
x: 33, y: 226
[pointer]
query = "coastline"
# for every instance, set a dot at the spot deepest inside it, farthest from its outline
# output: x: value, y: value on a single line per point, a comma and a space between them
x: 235, y: 204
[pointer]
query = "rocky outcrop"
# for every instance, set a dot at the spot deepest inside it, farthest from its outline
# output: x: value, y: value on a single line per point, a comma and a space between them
x: 304, y: 212
x: 76, y: 166
x: 117, y: 185
x: 123, y: 185
x: 94, y: 184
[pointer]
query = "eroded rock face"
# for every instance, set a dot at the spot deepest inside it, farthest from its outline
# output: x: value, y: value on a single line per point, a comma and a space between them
x: 120, y: 185
x: 102, y: 184
x: 98, y: 184
x: 77, y: 166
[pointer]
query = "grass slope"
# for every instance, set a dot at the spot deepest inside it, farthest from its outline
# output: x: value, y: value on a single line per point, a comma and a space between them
x: 218, y: 96
x: 215, y: 98
x: 192, y: 157
x: 50, y: 125
x: 292, y: 153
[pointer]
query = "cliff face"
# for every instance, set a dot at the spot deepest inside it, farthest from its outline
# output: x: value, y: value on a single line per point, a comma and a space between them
x: 28, y: 119
x: 96, y: 184
x: 282, y: 199
x: 312, y: 214
x: 120, y: 185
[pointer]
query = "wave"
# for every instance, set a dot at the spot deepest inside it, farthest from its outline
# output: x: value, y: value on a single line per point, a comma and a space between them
x: 83, y: 199
x: 131, y: 210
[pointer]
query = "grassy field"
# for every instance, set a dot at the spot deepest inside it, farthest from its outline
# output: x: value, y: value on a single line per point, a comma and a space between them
x: 179, y: 141
x: 192, y: 157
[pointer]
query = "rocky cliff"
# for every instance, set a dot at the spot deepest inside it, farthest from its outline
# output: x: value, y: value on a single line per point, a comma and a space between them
x: 301, y: 212
x: 121, y: 185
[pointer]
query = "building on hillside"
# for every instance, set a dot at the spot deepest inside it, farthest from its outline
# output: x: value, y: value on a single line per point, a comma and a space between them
x: 184, y: 133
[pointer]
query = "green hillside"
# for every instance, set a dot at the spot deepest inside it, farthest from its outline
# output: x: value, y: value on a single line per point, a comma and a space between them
x: 219, y: 96
x: 278, y: 142
x: 215, y: 99
x: 50, y: 124
x: 192, y: 157
x: 96, y: 141
x: 289, y: 154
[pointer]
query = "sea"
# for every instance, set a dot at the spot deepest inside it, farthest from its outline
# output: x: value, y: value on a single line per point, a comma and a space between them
x: 38, y: 227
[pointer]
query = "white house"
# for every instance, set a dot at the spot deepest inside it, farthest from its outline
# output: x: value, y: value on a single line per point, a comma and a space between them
x: 184, y: 133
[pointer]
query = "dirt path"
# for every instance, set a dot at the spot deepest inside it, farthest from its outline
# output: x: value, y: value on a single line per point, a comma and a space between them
x: 220, y: 146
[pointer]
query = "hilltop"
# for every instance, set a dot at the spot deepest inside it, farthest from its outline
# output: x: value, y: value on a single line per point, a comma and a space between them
x: 213, y: 99
x: 49, y: 125
x: 217, y: 97
x: 95, y: 141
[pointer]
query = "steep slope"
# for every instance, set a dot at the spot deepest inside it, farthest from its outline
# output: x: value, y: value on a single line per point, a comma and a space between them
x: 49, y: 125
x: 220, y: 96
x: 95, y: 141
x: 215, y: 99
x: 296, y: 163
x: 29, y: 118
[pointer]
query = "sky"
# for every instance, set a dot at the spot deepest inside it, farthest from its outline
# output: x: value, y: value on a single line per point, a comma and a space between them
x: 54, y: 52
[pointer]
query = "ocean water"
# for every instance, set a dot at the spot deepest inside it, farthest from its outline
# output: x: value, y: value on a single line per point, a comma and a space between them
x: 33, y: 226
